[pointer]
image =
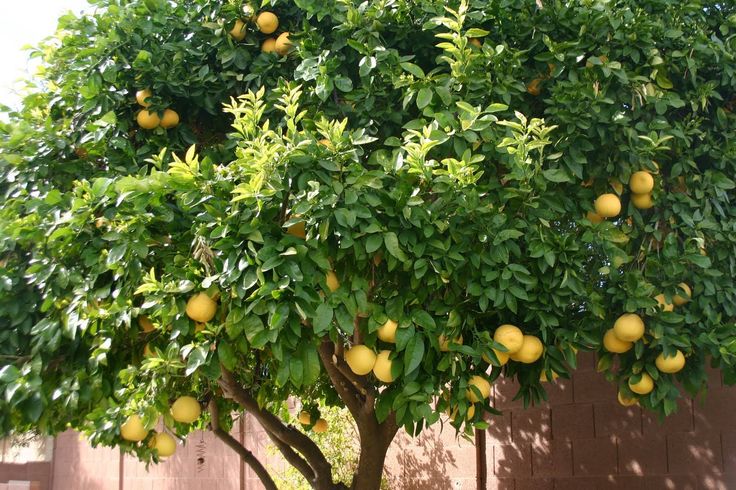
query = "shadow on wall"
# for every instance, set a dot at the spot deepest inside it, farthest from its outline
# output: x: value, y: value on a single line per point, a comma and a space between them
x: 424, y: 463
x: 77, y: 465
x: 583, y: 438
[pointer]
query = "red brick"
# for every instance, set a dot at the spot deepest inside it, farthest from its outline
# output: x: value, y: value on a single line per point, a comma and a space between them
x: 611, y: 418
x: 494, y: 484
x: 559, y: 392
x: 505, y: 390
x: 552, y: 458
x: 531, y: 425
x: 716, y: 410
x: 572, y: 421
x: 594, y: 457
x: 729, y: 480
x: 582, y: 483
x: 512, y: 460
x: 671, y: 482
x: 591, y: 386
x: 499, y: 431
x: 535, y: 484
x: 715, y: 379
x: 728, y: 444
x: 680, y: 421
x: 695, y: 454
x: 586, y: 361
x: 639, y: 455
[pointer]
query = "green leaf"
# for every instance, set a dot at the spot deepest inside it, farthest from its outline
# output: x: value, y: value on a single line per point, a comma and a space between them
x: 424, y: 97
x: 323, y: 318
x: 197, y: 357
x: 373, y: 243
x: 413, y: 354
x: 311, y: 364
x: 413, y: 69
x: 423, y: 319
x: 392, y: 245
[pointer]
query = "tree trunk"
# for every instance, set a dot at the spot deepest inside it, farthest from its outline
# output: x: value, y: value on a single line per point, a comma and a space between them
x: 370, y: 465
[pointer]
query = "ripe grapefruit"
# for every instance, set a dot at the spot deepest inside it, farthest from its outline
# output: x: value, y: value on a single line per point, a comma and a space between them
x: 629, y: 327
x: 361, y: 359
x: 201, y: 308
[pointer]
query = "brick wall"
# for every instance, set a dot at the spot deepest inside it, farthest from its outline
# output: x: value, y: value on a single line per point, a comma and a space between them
x: 581, y: 439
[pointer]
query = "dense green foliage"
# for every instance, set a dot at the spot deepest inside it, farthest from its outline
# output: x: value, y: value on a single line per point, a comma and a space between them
x: 450, y: 195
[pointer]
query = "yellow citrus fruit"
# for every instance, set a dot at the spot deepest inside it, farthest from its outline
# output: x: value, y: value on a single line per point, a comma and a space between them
x: 382, y: 367
x: 133, y: 430
x: 304, y: 418
x: 608, y: 205
x: 238, y: 30
x: 663, y: 304
x: 642, y: 201
x: 298, y: 230
x: 626, y: 401
x: 641, y: 182
x: 612, y: 343
x: 503, y: 357
x: 198, y: 327
x: 475, y: 42
x: 148, y: 352
x: 483, y: 386
x: 361, y: 359
x: 672, y: 364
x: 509, y: 336
x: 616, y: 185
x: 320, y: 426
x: 269, y: 45
x: 141, y: 97
x: 534, y: 87
x: 629, y: 327
x: 267, y: 22
x: 164, y: 444
x: 644, y: 386
x: 283, y: 45
x: 170, y: 119
x: 445, y: 342
x: 387, y: 331
x: 145, y: 323
x: 201, y: 308
x: 681, y: 300
x: 594, y: 217
x: 468, y: 415
x: 147, y: 119
x: 531, y: 350
x: 333, y: 283
x: 186, y: 409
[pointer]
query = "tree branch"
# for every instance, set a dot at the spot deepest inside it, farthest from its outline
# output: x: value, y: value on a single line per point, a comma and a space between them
x: 235, y: 445
x: 359, y: 383
x: 343, y: 385
x: 287, y: 435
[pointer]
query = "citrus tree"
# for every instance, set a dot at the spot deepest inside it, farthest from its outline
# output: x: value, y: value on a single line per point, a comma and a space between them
x: 212, y: 207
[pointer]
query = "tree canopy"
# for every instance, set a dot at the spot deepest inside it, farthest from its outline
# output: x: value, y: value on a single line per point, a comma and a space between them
x: 202, y: 200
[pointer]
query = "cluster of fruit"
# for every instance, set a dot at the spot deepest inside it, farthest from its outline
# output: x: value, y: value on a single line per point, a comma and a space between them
x: 185, y: 410
x: 267, y: 23
x: 362, y: 360
x: 630, y: 328
x: 608, y: 205
x: 148, y: 119
x: 319, y: 426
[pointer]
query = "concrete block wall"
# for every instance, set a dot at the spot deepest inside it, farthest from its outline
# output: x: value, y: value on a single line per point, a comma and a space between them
x: 580, y: 439
x: 584, y: 439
